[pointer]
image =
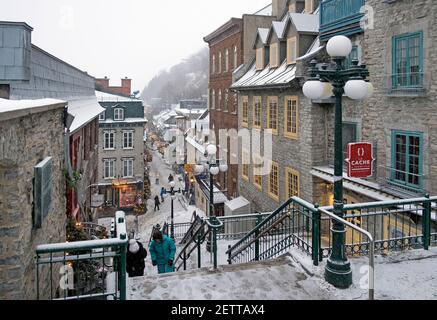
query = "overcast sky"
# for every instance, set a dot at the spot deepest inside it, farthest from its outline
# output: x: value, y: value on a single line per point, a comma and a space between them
x: 124, y: 38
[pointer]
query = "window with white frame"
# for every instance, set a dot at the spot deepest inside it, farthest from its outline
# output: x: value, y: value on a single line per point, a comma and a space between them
x: 213, y: 64
x: 235, y: 57
x: 226, y: 107
x: 118, y: 114
x: 213, y: 99
x: 102, y: 116
x: 108, y: 143
x: 128, y: 139
x: 219, y: 100
x: 226, y: 60
x: 128, y: 168
x: 220, y: 63
x: 109, y: 168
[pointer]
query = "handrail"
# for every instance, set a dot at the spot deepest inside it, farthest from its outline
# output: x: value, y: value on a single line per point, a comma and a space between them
x: 82, y: 245
x: 188, y: 234
x: 272, y: 216
x: 260, y: 236
x: 371, y: 253
x: 199, y: 231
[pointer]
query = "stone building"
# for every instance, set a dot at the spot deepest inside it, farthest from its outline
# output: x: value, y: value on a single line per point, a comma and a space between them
x: 271, y: 99
x: 121, y: 155
x: 229, y: 49
x: 29, y: 72
x: 32, y: 190
x: 67, y: 136
x: 396, y: 44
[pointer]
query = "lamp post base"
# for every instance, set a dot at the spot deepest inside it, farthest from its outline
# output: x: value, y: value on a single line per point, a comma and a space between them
x: 338, y: 273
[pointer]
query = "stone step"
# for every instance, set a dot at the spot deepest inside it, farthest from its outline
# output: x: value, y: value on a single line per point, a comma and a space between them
x: 279, y: 279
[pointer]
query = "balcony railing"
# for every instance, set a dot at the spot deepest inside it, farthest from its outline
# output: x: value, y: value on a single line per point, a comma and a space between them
x: 340, y: 17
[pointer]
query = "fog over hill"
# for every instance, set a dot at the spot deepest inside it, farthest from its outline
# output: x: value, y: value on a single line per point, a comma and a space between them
x: 186, y: 80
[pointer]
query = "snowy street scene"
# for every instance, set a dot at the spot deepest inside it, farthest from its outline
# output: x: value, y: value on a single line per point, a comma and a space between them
x: 239, y: 154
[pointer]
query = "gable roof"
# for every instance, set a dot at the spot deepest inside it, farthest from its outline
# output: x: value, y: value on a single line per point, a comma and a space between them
x: 278, y: 27
x: 262, y: 34
x: 304, y: 23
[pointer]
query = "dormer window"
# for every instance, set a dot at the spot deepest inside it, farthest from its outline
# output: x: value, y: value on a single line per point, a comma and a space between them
x: 118, y: 114
x: 274, y: 55
x: 259, y: 58
x: 291, y: 50
x: 102, y: 116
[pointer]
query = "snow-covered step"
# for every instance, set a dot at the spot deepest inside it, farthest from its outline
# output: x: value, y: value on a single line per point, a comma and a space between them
x: 277, y: 279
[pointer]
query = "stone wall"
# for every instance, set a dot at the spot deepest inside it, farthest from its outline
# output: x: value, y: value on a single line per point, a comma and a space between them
x: 24, y: 143
x: 301, y: 154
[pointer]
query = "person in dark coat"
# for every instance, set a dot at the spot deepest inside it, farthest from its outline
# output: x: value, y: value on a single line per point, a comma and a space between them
x: 162, y: 251
x: 170, y: 178
x: 156, y: 203
x: 136, y: 254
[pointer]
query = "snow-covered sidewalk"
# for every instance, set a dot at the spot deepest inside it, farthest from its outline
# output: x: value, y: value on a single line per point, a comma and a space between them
x: 406, y: 275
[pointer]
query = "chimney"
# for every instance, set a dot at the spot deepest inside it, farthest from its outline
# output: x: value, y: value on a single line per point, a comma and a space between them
x: 104, y: 83
x: 126, y: 86
x: 278, y: 7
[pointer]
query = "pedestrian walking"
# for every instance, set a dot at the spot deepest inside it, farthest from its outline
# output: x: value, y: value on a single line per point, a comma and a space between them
x: 163, y: 193
x: 135, y: 256
x: 156, y: 203
x: 170, y: 178
x: 162, y: 251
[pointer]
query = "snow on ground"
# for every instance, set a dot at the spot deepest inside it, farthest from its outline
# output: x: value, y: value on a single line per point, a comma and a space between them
x: 406, y: 275
x: 280, y: 279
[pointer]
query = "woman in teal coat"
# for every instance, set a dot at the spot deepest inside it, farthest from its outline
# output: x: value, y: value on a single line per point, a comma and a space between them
x: 162, y: 251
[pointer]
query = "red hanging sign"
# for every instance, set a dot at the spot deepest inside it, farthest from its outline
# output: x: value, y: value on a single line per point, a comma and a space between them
x: 360, y: 160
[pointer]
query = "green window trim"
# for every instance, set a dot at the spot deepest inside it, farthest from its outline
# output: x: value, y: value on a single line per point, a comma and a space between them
x: 406, y: 177
x: 407, y: 48
x: 353, y: 55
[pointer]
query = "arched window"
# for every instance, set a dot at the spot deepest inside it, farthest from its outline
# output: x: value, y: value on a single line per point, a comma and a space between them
x: 213, y: 64
x: 220, y: 63
x: 226, y: 60
x: 219, y: 100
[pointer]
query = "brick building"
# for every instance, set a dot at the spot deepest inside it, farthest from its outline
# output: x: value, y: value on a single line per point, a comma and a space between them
x: 124, y: 90
x: 270, y: 98
x: 229, y: 49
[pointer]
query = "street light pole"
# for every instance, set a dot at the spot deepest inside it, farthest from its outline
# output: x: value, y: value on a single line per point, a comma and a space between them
x: 172, y: 194
x: 324, y: 83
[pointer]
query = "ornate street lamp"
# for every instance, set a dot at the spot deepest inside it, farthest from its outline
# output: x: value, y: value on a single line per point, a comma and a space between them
x: 172, y: 193
x: 324, y: 82
x: 210, y: 164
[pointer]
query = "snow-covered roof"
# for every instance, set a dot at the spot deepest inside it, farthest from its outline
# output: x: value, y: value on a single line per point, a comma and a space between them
x: 263, y: 34
x: 279, y: 28
x: 266, y: 11
x: 84, y: 111
x: 127, y: 120
x: 305, y: 22
x: 16, y: 105
x: 312, y: 51
x: 108, y: 97
x: 280, y: 76
x: 237, y: 203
